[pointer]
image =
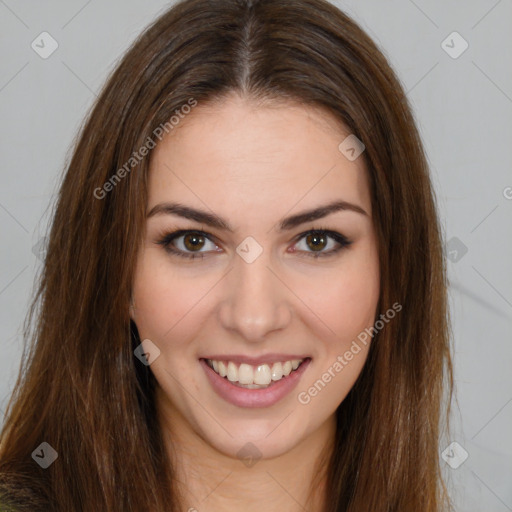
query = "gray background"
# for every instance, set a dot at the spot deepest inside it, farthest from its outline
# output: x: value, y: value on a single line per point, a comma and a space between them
x: 463, y: 107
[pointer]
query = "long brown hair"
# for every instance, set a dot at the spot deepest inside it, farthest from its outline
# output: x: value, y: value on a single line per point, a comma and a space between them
x: 81, y: 390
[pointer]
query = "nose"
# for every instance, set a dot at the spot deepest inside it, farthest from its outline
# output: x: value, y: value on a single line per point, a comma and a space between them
x: 255, y: 301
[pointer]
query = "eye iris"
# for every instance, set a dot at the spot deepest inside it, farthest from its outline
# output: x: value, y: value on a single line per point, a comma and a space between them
x: 196, y: 241
x: 318, y: 241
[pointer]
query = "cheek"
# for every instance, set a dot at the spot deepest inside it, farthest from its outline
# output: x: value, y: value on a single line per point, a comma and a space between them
x: 347, y: 309
x: 161, y: 297
x: 346, y: 299
x: 349, y: 304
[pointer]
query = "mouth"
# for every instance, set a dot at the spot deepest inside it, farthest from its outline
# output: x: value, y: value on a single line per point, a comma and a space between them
x: 250, y: 376
x: 246, y: 383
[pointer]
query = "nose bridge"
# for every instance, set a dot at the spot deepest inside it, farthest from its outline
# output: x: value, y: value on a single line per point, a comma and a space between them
x: 255, y: 301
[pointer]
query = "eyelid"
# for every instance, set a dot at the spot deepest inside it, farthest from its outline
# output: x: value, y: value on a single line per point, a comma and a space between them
x: 342, y: 241
x: 166, y: 238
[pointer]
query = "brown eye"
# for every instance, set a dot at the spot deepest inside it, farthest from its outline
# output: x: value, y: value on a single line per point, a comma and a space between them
x: 316, y: 241
x: 193, y: 241
x: 187, y: 243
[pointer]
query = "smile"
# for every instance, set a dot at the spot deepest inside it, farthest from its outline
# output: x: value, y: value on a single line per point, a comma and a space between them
x: 254, y: 385
x: 254, y: 377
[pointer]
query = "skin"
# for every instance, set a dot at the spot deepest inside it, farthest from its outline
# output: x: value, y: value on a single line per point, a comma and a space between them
x: 254, y: 165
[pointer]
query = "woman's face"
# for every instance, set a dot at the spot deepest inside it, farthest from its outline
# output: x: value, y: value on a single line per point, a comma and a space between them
x: 242, y: 286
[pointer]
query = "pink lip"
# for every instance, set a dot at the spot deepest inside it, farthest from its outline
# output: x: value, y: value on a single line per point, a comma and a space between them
x: 243, y: 397
x: 255, y: 361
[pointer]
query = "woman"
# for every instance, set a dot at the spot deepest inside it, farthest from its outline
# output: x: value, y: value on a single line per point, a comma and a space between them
x: 243, y: 303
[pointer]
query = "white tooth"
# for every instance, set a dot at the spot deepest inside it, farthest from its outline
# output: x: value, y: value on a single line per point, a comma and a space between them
x: 262, y: 375
x: 245, y: 374
x: 232, y: 372
x: 223, y: 371
x: 252, y: 386
x: 295, y: 363
x: 287, y: 368
x: 215, y: 366
x: 277, y: 371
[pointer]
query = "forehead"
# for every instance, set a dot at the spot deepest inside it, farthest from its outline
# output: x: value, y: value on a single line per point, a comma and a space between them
x: 238, y: 153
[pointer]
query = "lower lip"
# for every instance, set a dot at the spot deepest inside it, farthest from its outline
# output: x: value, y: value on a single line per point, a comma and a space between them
x: 265, y: 397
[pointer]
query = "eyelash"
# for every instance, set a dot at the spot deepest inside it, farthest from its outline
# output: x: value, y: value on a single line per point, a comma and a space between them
x: 166, y: 239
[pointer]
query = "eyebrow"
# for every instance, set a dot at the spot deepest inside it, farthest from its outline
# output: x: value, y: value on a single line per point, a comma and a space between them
x: 288, y: 223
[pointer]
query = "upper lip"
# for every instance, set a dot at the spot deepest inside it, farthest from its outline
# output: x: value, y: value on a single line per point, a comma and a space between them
x: 264, y: 359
